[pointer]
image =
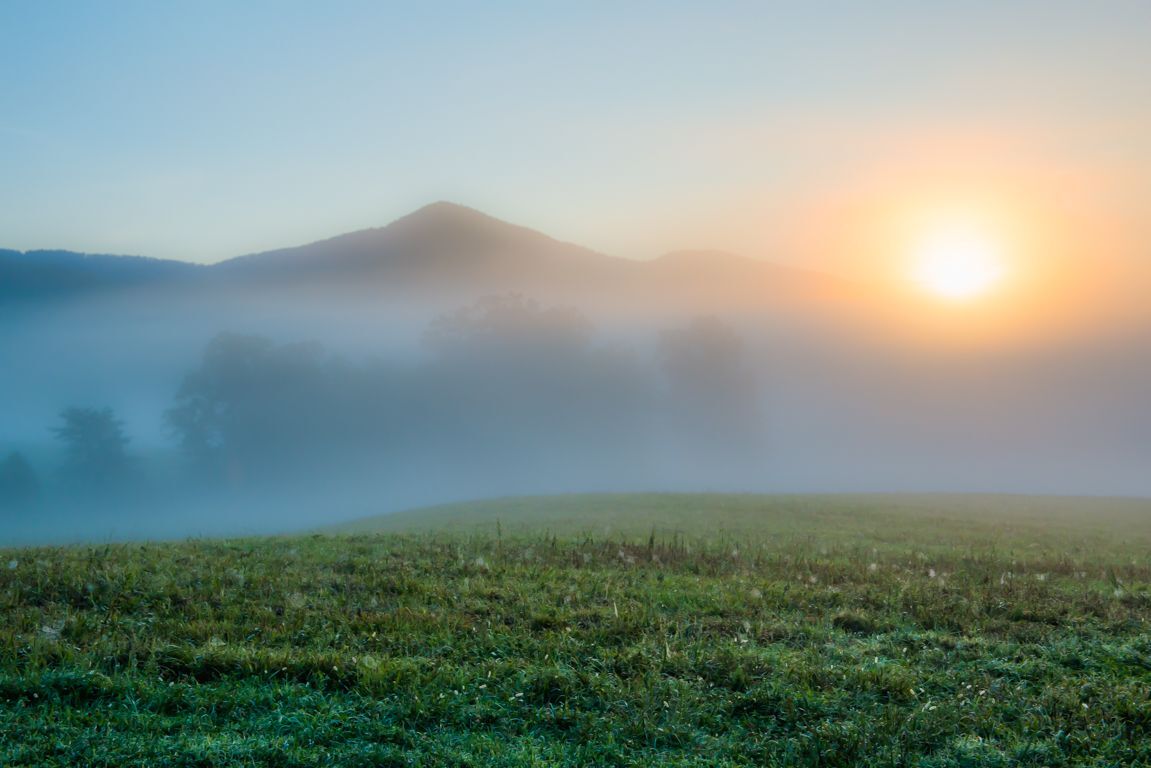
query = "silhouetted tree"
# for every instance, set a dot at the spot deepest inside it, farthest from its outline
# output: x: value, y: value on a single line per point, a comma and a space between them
x: 511, y: 389
x: 252, y: 404
x: 498, y: 360
x: 209, y: 405
x: 18, y: 481
x: 514, y: 385
x: 95, y: 441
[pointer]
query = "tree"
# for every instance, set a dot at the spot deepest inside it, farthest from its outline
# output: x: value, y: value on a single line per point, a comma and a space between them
x: 252, y: 405
x: 211, y: 399
x: 96, y: 445
x: 517, y: 386
x: 18, y: 481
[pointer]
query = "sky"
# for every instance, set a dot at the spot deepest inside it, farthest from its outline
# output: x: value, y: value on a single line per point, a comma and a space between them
x: 203, y: 130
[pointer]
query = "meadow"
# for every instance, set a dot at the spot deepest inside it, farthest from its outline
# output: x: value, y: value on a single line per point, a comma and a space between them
x: 679, y: 630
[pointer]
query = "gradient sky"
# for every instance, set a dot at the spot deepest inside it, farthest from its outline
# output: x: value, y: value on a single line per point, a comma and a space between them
x: 201, y: 130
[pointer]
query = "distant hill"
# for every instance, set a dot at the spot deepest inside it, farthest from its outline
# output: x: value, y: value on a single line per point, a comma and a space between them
x: 448, y: 246
x: 40, y: 275
x: 440, y: 248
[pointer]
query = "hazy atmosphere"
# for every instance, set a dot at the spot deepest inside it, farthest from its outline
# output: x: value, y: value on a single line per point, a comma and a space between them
x: 587, y: 384
x: 450, y: 355
x: 829, y: 274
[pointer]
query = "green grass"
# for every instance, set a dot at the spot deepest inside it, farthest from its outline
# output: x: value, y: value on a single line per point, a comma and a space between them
x: 601, y: 630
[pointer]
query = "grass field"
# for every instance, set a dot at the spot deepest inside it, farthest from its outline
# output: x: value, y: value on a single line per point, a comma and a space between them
x: 598, y: 630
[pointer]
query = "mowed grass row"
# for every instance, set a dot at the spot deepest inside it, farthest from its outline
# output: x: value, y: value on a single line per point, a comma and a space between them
x: 643, y: 630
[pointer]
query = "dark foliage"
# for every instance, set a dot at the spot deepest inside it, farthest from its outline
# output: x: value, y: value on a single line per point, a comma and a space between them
x: 96, y: 446
x: 508, y: 385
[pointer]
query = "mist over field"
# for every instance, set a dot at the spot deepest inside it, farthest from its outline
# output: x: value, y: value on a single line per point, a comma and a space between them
x: 575, y: 384
x: 452, y: 356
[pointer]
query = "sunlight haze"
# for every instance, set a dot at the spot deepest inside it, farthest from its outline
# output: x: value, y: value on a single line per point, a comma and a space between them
x: 202, y: 131
x: 508, y: 383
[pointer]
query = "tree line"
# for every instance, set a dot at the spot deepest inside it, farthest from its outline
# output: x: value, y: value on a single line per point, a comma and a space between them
x: 506, y: 385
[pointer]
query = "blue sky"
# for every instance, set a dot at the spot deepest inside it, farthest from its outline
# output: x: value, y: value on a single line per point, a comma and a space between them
x: 201, y: 130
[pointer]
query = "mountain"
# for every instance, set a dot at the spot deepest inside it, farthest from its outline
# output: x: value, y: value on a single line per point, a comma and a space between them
x: 442, y: 249
x: 442, y: 245
x: 41, y: 275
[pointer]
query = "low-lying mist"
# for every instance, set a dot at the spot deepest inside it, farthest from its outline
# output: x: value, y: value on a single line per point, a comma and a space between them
x: 146, y: 420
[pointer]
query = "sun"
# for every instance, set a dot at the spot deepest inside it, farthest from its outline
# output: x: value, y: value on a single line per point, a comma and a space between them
x: 958, y: 264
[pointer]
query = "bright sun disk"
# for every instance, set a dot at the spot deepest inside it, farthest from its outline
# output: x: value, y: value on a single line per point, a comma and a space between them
x: 958, y: 265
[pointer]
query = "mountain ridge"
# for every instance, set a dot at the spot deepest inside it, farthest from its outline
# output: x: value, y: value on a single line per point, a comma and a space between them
x: 442, y: 246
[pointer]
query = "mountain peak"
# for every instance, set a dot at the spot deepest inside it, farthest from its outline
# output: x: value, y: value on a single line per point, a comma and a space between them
x: 445, y: 212
x: 450, y: 225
